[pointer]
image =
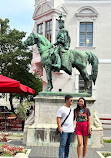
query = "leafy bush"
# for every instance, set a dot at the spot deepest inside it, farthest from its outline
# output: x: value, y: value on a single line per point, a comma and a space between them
x: 6, y: 150
x: 107, y: 141
x: 106, y: 154
x: 22, y: 110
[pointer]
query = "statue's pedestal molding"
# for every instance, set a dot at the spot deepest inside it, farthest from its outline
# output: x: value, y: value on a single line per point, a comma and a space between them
x: 42, y: 132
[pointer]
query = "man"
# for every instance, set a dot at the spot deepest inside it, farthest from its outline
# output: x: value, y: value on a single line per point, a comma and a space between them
x: 67, y: 129
x: 62, y: 44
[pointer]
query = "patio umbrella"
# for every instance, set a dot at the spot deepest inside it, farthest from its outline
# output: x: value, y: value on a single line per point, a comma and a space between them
x: 8, y: 85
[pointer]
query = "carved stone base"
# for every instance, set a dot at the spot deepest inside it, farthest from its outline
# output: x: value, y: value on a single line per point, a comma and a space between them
x: 42, y: 132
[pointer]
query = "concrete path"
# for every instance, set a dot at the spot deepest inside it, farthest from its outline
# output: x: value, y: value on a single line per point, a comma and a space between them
x: 52, y: 152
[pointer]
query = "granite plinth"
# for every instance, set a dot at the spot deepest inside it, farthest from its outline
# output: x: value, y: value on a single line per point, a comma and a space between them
x: 42, y: 132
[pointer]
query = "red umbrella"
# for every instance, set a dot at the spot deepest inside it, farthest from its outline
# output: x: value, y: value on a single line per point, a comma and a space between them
x: 8, y: 85
x: 31, y: 90
x: 26, y: 89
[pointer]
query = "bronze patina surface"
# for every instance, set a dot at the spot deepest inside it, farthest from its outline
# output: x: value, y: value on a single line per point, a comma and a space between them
x: 58, y: 56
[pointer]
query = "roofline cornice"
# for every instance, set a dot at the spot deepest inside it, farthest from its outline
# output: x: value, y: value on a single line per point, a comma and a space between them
x: 48, y: 12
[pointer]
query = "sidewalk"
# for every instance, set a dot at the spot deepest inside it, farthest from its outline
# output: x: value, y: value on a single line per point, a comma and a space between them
x: 53, y: 152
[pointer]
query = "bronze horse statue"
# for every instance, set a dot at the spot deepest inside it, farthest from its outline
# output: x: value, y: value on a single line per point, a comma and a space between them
x: 69, y: 60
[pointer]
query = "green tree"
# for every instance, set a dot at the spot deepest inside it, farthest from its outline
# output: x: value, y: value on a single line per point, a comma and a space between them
x: 15, y: 59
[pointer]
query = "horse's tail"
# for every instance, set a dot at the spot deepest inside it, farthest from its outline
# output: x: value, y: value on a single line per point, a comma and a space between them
x: 93, y: 60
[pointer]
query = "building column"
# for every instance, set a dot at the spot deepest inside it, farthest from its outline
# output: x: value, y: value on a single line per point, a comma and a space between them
x: 53, y: 28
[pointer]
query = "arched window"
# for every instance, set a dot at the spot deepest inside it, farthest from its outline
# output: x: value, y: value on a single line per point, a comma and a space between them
x: 86, y: 21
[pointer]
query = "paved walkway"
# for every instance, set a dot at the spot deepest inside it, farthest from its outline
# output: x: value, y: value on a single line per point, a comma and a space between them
x: 52, y: 152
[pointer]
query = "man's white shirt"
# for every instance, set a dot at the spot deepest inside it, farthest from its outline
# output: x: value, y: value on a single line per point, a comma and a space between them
x: 68, y: 126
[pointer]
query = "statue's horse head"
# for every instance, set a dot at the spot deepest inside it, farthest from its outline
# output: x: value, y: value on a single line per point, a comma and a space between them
x: 38, y: 39
x: 30, y: 40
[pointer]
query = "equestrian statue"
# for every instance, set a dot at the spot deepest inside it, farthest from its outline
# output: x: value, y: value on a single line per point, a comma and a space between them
x: 56, y: 57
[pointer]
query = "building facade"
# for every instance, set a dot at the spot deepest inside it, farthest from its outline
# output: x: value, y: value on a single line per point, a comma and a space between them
x: 89, y: 26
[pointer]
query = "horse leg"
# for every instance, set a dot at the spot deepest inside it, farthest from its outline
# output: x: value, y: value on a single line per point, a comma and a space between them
x: 86, y: 85
x: 49, y: 78
x: 85, y: 76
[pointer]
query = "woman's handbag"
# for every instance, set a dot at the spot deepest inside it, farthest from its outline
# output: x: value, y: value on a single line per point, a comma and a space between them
x: 57, y: 130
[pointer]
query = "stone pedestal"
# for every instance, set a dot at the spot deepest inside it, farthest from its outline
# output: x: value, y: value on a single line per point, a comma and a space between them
x: 42, y: 132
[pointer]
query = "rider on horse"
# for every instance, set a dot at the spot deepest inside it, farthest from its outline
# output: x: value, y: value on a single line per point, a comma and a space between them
x: 62, y: 44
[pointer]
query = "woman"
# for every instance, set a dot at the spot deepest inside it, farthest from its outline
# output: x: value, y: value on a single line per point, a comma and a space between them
x: 83, y: 126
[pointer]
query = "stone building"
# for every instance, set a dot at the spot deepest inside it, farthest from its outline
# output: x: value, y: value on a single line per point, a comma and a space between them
x: 89, y: 26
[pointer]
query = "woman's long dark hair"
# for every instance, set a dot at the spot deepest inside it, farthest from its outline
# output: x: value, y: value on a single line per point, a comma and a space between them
x: 78, y: 107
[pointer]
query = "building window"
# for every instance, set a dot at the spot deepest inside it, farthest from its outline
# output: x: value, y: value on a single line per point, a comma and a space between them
x: 86, y: 34
x: 48, y: 30
x: 81, y: 85
x: 40, y: 29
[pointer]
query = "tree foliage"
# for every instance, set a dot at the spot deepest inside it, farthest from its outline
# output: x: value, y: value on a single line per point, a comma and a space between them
x: 15, y: 60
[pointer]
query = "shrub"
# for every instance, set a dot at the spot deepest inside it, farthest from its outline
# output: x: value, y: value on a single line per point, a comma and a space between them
x: 22, y: 110
x: 6, y: 150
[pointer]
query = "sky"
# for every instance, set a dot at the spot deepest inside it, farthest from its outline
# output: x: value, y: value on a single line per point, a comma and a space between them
x: 19, y: 12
